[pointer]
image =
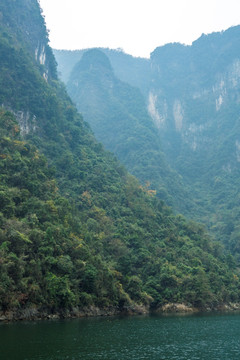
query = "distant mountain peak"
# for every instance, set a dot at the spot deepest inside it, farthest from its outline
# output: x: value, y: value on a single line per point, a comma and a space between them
x: 94, y: 59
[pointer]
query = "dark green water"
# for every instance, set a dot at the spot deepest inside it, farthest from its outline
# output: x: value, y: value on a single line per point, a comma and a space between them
x: 195, y: 337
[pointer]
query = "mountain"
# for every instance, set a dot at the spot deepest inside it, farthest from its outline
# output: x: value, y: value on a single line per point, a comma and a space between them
x: 192, y: 95
x: 78, y: 234
x: 135, y: 71
x: 117, y: 113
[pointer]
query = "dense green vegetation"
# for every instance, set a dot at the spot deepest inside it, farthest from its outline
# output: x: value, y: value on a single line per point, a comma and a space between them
x: 131, y: 248
x: 45, y: 260
x: 76, y: 229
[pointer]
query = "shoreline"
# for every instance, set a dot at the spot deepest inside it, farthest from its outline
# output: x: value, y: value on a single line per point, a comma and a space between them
x: 34, y: 314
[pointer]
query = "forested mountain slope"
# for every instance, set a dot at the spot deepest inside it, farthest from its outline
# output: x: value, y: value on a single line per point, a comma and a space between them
x: 192, y: 96
x: 76, y: 229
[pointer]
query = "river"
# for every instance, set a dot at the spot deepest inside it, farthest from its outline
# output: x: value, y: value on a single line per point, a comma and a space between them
x: 171, y: 337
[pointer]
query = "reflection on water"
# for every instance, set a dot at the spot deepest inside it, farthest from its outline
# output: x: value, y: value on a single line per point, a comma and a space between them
x: 192, y: 337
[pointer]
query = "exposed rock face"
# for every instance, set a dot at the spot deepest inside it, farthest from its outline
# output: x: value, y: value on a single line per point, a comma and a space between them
x: 187, y: 117
x: 178, y: 115
x: 26, y: 122
x: 32, y: 32
x: 192, y: 121
x: 158, y: 114
x: 41, y: 57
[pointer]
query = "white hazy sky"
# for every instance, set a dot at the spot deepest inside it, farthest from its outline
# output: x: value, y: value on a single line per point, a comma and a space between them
x: 136, y: 26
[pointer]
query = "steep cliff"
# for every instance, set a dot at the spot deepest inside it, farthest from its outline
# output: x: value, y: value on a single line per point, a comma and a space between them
x: 196, y: 108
